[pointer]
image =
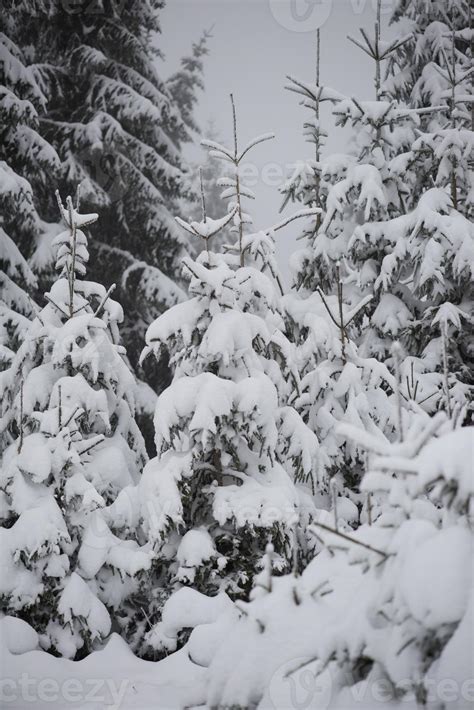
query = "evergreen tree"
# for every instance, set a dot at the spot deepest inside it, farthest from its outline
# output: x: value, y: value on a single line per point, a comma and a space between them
x: 338, y: 383
x: 69, y: 406
x: 27, y: 164
x: 213, y: 192
x: 391, y: 600
x: 391, y: 233
x: 306, y: 185
x: 118, y: 131
x: 27, y: 160
x: 183, y: 83
x: 230, y: 446
x: 416, y: 71
x: 433, y: 69
x: 425, y: 282
x: 352, y: 188
x: 433, y: 280
x: 388, y: 605
x: 15, y: 304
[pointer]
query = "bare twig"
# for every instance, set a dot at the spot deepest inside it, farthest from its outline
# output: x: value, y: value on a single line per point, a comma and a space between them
x: 396, y: 351
x: 334, y: 502
x: 447, y: 395
x: 20, y: 443
x: 60, y: 408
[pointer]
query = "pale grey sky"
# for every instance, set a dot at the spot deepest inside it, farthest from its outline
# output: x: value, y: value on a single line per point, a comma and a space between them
x: 255, y: 44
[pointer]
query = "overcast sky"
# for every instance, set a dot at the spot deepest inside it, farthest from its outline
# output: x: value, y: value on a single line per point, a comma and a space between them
x: 255, y: 44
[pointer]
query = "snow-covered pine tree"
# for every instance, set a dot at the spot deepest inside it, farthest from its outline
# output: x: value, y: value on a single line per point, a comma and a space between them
x: 27, y: 164
x: 305, y: 185
x: 425, y: 505
x: 356, y: 187
x: 118, y: 131
x: 183, y: 83
x: 27, y: 161
x: 425, y: 289
x: 69, y: 561
x: 230, y: 446
x: 391, y: 237
x: 206, y: 172
x: 16, y: 308
x: 434, y: 69
x: 422, y: 258
x: 415, y: 70
x: 337, y: 382
x: 391, y: 602
x: 387, y: 606
x: 235, y: 191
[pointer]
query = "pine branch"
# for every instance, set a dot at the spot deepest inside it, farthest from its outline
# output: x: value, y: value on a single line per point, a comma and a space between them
x: 71, y: 416
x: 385, y: 555
x: 361, y: 46
x: 99, y: 440
x: 254, y: 142
x: 219, y: 148
x: 297, y: 215
x: 104, y: 300
x: 327, y: 307
x: 53, y: 303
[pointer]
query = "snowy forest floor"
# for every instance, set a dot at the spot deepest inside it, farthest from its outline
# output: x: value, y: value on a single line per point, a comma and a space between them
x: 111, y: 678
x: 115, y: 679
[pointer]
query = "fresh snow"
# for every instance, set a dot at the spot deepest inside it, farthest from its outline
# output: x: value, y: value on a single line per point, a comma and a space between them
x: 298, y: 531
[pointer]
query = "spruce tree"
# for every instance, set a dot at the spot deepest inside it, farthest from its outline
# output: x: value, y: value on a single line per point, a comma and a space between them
x: 338, y: 382
x: 69, y: 557
x: 27, y: 160
x: 432, y: 282
x: 27, y: 163
x: 416, y: 71
x: 118, y: 131
x: 183, y: 83
x: 16, y: 307
x: 230, y: 445
x: 205, y: 172
x: 387, y: 606
x: 391, y: 233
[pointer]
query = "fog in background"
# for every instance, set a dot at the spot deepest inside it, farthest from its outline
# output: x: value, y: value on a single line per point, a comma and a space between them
x: 255, y: 43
